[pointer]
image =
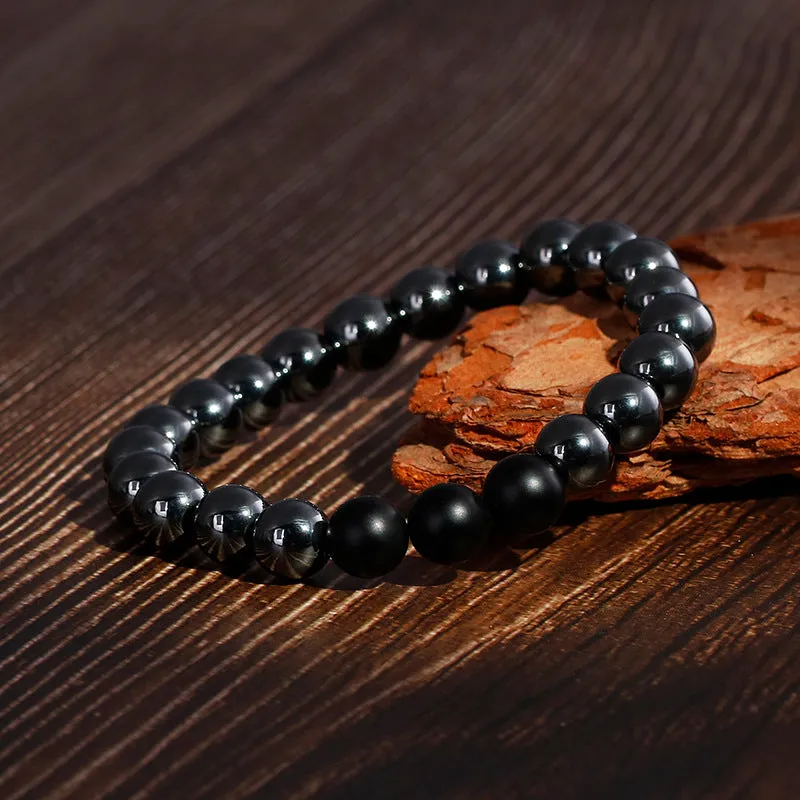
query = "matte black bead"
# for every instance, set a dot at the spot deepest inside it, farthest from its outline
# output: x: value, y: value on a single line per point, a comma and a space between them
x: 289, y: 539
x: 165, y: 506
x: 428, y: 303
x: 367, y: 537
x: 136, y: 439
x: 627, y: 408
x: 448, y: 523
x: 631, y: 258
x: 651, y: 284
x: 213, y: 410
x: 664, y: 361
x: 592, y: 246
x: 578, y: 449
x: 225, y: 519
x: 682, y: 316
x: 175, y: 425
x: 545, y: 257
x: 303, y: 361
x: 490, y: 275
x: 255, y: 388
x: 129, y: 474
x: 524, y: 494
x: 365, y: 335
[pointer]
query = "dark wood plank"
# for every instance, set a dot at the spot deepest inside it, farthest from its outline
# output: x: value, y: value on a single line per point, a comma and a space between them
x: 159, y: 227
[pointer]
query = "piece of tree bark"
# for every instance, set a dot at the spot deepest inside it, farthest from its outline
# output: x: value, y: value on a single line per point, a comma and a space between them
x: 515, y: 368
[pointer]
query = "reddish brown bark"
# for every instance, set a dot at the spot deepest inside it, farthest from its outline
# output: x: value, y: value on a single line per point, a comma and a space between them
x: 513, y: 369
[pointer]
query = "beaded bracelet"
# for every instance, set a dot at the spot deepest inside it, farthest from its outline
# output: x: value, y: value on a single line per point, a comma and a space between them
x: 525, y: 492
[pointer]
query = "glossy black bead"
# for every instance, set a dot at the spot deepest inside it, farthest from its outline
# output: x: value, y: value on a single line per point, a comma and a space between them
x: 213, y: 411
x: 175, y: 425
x: 524, y: 494
x: 165, y: 506
x: 664, y: 361
x: 255, y: 388
x: 578, y: 449
x: 225, y: 520
x: 628, y: 410
x: 428, y: 303
x: 637, y: 255
x: 651, y: 284
x: 137, y: 439
x: 367, y: 537
x: 289, y: 539
x: 682, y: 316
x: 490, y: 275
x: 592, y: 246
x: 545, y: 257
x: 128, y: 475
x: 303, y: 361
x: 448, y: 523
x: 364, y: 333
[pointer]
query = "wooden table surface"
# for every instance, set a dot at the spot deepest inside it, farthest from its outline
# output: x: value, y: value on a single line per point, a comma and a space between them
x: 178, y: 182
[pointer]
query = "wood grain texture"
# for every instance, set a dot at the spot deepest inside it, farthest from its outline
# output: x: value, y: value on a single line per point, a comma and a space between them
x: 179, y: 182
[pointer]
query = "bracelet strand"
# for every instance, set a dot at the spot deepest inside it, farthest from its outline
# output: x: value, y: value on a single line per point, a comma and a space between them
x: 146, y: 463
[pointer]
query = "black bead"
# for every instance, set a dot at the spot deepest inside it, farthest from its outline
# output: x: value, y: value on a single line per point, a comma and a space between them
x: 213, y: 410
x: 524, y: 494
x: 627, y: 408
x: 165, y: 506
x: 578, y: 449
x: 175, y: 425
x: 365, y: 335
x: 448, y: 523
x: 592, y: 246
x: 490, y: 275
x: 303, y: 361
x: 225, y: 519
x: 428, y: 303
x: 367, y: 537
x: 137, y: 439
x: 545, y: 258
x: 682, y: 316
x: 129, y: 474
x: 255, y: 388
x: 664, y: 361
x: 633, y: 257
x: 289, y: 539
x: 651, y: 284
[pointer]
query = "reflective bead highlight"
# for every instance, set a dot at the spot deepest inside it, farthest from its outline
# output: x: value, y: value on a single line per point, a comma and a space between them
x: 165, y: 506
x: 653, y: 283
x: 130, y: 473
x: 304, y: 363
x: 225, y: 519
x: 628, y: 410
x: 682, y: 316
x: 545, y: 257
x: 428, y: 303
x: 633, y: 257
x: 490, y: 275
x: 578, y: 448
x: 289, y: 539
x: 592, y: 246
x: 136, y: 439
x: 213, y: 411
x: 364, y: 334
x: 175, y: 425
x: 664, y: 361
x: 255, y: 389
